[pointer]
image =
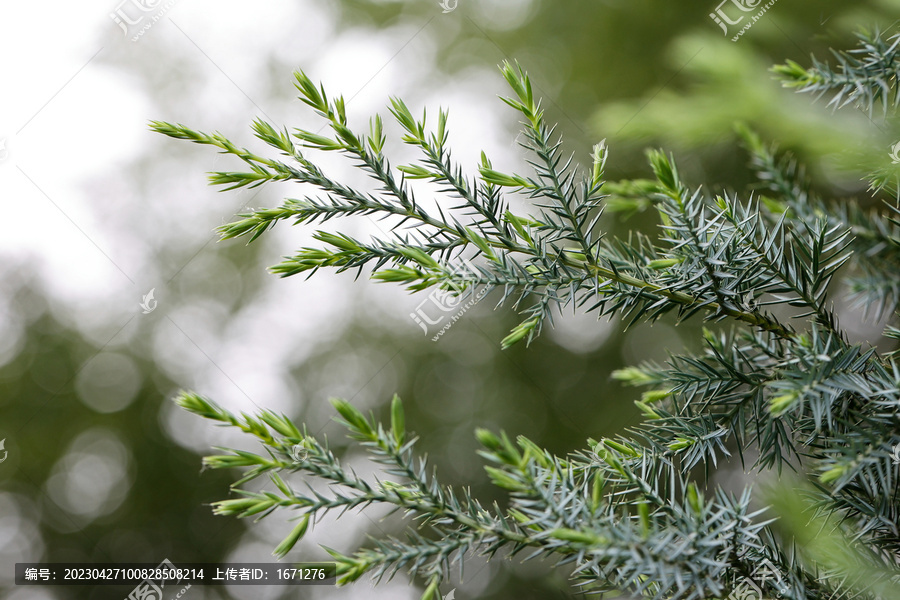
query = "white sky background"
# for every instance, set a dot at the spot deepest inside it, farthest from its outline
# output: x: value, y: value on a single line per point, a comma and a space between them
x: 76, y: 98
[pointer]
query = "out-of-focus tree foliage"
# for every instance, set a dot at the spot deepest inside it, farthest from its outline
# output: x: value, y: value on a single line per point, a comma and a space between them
x: 57, y: 449
x: 656, y: 72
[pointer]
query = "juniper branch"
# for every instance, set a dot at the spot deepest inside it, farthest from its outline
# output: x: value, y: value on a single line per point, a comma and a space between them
x: 626, y: 514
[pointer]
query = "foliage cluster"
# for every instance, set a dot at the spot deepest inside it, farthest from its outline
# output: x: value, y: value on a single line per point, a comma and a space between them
x: 638, y: 514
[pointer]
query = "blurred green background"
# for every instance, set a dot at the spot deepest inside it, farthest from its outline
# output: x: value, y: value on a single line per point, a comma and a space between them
x: 101, y: 468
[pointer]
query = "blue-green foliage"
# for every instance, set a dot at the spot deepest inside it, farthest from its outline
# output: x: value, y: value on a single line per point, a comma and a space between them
x: 637, y: 514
